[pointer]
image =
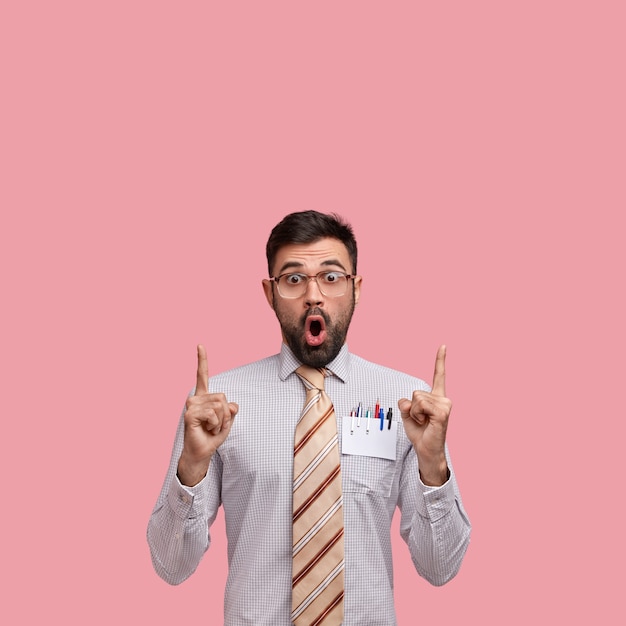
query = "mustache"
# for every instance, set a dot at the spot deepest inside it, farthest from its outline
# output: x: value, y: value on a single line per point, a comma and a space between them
x: 315, y: 311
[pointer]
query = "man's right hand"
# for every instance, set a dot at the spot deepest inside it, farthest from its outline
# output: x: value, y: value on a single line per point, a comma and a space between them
x: 208, y: 419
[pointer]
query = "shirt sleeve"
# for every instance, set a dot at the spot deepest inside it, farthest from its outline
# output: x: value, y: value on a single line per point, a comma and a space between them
x: 178, y: 529
x: 433, y: 523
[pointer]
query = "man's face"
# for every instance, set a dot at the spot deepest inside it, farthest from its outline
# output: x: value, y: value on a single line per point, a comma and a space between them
x: 314, y: 325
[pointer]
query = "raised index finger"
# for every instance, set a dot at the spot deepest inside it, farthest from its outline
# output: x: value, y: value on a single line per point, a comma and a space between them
x: 202, y: 379
x: 439, y: 377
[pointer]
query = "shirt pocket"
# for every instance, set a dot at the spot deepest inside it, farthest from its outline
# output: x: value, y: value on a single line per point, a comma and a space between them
x: 366, y: 474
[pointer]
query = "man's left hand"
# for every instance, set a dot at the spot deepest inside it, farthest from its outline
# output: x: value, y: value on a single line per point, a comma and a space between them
x: 425, y: 420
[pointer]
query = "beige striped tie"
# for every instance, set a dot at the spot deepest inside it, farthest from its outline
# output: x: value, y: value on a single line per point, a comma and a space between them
x: 318, y: 555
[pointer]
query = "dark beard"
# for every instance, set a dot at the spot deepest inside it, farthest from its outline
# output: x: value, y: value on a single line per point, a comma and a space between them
x: 322, y: 355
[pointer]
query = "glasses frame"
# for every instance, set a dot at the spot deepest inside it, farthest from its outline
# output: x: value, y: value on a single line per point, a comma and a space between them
x: 275, y: 279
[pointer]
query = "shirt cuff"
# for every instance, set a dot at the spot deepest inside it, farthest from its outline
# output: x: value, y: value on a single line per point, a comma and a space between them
x: 186, y: 502
x: 435, y: 502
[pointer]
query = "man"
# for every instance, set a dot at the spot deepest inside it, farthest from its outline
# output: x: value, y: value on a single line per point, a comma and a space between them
x: 235, y: 447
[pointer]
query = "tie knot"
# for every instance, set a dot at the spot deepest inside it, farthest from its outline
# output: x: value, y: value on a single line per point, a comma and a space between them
x: 312, y: 377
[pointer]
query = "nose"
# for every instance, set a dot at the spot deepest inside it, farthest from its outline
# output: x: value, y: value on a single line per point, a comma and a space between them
x: 313, y: 295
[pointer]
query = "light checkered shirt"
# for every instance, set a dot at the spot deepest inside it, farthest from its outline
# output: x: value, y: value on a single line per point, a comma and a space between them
x: 251, y: 476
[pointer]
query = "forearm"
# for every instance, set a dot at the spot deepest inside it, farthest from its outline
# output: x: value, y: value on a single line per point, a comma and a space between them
x: 178, y: 529
x: 178, y: 534
x: 435, y: 527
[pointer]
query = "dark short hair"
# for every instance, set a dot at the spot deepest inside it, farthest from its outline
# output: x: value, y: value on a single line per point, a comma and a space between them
x: 309, y: 227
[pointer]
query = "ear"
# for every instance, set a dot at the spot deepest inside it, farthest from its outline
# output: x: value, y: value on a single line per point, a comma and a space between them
x: 268, y: 289
x: 357, y: 288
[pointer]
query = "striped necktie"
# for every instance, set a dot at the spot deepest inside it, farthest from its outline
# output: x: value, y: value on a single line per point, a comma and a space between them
x: 318, y: 552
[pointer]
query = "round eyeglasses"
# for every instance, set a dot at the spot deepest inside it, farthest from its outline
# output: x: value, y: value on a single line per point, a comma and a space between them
x: 294, y: 285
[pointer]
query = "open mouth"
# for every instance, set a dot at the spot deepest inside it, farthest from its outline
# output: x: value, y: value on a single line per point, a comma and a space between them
x: 315, y: 330
x: 315, y: 327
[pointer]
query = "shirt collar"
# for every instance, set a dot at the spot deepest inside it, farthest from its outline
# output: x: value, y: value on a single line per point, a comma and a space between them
x: 339, y: 366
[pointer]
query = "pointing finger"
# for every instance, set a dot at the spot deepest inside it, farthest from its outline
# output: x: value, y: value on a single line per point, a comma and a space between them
x: 439, y: 377
x: 202, y: 378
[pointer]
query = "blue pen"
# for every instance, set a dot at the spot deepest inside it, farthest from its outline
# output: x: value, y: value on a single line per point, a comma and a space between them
x: 358, y: 415
x: 381, y: 415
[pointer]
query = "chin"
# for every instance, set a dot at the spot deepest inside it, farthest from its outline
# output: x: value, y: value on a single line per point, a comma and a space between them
x: 315, y: 359
x: 316, y: 356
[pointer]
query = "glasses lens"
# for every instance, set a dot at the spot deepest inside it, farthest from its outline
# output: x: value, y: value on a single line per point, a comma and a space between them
x: 292, y: 285
x: 332, y: 283
x: 295, y: 285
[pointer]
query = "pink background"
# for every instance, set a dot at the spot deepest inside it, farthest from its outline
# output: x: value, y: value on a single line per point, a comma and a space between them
x: 147, y: 150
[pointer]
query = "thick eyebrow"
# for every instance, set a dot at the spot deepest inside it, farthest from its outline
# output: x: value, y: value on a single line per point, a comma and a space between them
x: 297, y: 265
